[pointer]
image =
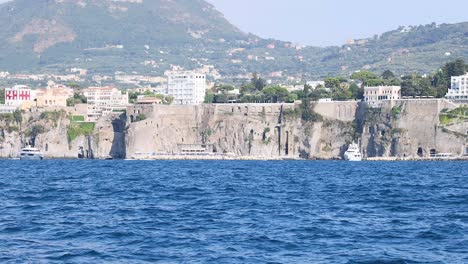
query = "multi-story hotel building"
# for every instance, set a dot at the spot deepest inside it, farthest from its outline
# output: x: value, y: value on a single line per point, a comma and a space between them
x: 187, y: 88
x: 459, y: 88
x: 105, y: 100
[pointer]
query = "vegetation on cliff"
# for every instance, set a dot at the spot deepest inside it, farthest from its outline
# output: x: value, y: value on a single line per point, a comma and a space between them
x: 53, y: 116
x: 2, y: 96
x: 11, y: 121
x: 78, y: 98
x: 256, y: 91
x: 396, y: 111
x: 76, y: 129
x: 459, y: 114
x: 165, y: 99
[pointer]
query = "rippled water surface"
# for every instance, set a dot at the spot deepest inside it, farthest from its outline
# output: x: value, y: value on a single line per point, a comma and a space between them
x: 233, y: 212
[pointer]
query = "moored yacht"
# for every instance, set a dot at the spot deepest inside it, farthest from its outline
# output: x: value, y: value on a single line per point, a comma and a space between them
x: 30, y: 153
x: 353, y: 153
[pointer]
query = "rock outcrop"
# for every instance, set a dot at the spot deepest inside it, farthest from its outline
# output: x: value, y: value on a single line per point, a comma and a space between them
x: 409, y: 128
x: 52, y: 133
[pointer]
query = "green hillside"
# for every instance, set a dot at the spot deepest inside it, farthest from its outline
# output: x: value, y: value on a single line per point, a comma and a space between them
x: 147, y: 37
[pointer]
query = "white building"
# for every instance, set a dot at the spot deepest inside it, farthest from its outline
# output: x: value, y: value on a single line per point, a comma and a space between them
x: 187, y: 88
x: 374, y: 96
x: 315, y: 84
x: 105, y: 100
x: 19, y: 94
x: 459, y: 88
x: 5, y: 109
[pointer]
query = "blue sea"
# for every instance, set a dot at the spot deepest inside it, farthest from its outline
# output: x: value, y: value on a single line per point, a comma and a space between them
x: 233, y: 212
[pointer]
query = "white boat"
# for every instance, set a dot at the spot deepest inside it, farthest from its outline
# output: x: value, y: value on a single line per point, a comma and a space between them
x: 353, y: 153
x: 30, y: 153
x: 442, y: 155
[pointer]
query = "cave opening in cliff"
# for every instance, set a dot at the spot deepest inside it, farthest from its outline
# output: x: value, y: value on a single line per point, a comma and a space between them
x: 420, y: 152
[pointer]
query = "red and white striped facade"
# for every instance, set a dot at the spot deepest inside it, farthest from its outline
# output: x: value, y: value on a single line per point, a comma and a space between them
x: 18, y: 94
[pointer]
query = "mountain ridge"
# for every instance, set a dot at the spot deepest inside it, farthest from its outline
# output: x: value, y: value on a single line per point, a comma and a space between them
x: 149, y: 37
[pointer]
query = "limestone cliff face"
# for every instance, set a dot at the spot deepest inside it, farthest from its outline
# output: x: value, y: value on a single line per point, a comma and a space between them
x: 410, y: 129
x: 48, y: 131
x: 407, y: 128
x: 243, y: 129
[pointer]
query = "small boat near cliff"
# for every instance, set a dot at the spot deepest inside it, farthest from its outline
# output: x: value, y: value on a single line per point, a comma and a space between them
x: 30, y: 153
x: 353, y: 153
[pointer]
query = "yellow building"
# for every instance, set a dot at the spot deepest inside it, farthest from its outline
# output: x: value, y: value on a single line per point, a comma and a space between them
x: 55, y: 96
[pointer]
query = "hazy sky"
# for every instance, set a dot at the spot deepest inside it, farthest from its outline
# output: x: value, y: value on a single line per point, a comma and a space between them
x: 332, y: 22
x: 326, y: 22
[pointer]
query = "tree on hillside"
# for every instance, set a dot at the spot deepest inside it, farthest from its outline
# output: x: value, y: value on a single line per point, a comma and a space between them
x: 132, y: 97
x: 367, y: 78
x: 74, y: 85
x: 389, y: 78
x: 77, y: 99
x: 306, y: 90
x: 332, y: 83
x: 306, y: 111
x: 356, y: 91
x: 341, y: 94
x: 224, y: 88
x: 363, y: 76
x: 441, y: 81
x: 388, y: 75
x: 456, y: 68
x: 2, y: 96
x: 416, y: 85
x: 258, y: 82
x: 168, y: 100
x: 276, y: 94
x: 18, y: 116
x: 247, y: 88
x: 209, y: 97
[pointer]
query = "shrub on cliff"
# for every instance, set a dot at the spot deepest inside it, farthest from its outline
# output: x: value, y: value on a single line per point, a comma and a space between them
x: 7, y: 118
x: 12, y: 129
x: 79, y: 129
x: 396, y: 111
x: 53, y: 116
x: 307, y: 112
x: 141, y: 117
x: 459, y: 114
x: 17, y: 115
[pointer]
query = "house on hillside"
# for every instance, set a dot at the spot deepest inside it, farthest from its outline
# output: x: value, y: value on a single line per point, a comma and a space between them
x: 374, y: 96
